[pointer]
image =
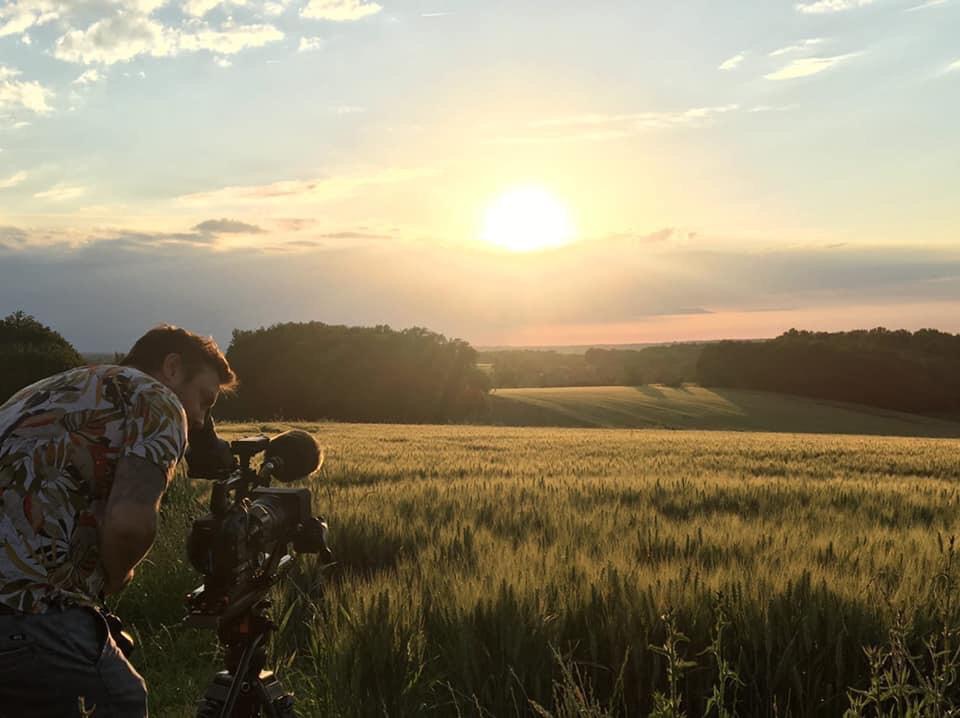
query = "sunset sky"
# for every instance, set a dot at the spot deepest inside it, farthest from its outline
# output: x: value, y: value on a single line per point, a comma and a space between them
x: 671, y: 170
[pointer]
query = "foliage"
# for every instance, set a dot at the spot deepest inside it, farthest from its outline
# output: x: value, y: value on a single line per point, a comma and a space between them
x: 669, y: 364
x: 318, y: 371
x: 470, y: 558
x: 913, y: 372
x: 30, y: 351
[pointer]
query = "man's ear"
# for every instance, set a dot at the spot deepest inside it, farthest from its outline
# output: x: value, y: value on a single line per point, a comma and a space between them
x: 172, y: 367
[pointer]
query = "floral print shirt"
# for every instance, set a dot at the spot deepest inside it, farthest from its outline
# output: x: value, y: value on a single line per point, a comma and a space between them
x: 60, y: 440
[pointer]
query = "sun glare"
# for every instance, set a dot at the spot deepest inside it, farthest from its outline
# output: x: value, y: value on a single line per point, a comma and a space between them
x: 527, y: 219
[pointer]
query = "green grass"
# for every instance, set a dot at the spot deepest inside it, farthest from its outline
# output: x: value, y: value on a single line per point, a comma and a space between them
x: 695, y: 407
x: 483, y: 571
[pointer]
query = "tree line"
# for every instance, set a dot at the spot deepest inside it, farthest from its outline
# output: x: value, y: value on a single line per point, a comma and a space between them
x: 298, y: 371
x: 312, y: 370
x: 915, y: 372
x: 672, y: 364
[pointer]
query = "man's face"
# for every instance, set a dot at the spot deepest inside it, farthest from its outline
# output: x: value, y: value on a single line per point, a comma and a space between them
x: 197, y: 394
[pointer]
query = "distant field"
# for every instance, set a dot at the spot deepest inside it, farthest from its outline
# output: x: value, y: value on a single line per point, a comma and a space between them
x: 694, y: 407
x: 481, y: 571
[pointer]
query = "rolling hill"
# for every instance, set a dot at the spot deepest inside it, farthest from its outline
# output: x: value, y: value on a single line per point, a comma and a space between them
x: 695, y: 407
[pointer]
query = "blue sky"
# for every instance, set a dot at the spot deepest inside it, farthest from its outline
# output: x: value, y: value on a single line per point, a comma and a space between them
x: 731, y: 168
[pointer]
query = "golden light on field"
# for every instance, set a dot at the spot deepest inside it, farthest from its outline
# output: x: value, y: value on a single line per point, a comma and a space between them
x: 527, y: 219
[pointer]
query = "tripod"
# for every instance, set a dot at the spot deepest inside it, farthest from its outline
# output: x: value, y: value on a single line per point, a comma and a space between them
x: 243, y: 623
x: 245, y: 689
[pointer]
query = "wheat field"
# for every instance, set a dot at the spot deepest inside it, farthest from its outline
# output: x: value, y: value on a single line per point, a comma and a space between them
x: 491, y: 571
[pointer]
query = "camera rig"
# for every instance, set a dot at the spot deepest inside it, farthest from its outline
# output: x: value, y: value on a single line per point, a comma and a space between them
x: 243, y: 547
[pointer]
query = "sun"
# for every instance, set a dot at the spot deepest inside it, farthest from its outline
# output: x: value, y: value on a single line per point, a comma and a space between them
x: 527, y: 219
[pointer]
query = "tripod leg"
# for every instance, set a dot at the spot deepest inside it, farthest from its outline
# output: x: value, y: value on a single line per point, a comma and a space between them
x: 276, y: 702
x: 211, y: 705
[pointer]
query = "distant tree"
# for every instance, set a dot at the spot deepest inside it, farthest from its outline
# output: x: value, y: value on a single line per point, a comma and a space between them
x: 318, y: 371
x: 30, y: 351
x: 913, y: 372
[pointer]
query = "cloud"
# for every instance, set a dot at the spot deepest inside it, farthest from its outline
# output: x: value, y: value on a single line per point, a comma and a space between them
x: 352, y: 235
x: 771, y: 108
x: 302, y: 191
x: 598, y: 127
x: 116, y: 39
x: 348, y: 109
x: 227, y: 226
x: 952, y: 67
x: 807, y: 66
x: 230, y: 40
x: 199, y: 8
x: 459, y: 291
x: 125, y: 36
x: 60, y: 193
x: 340, y: 10
x: 926, y: 5
x: 13, y: 235
x: 22, y: 95
x: 13, y: 180
x: 308, y: 44
x: 821, y: 7
x: 799, y: 47
x: 90, y: 77
x: 732, y: 63
x: 661, y: 235
x: 18, y: 16
x: 638, y: 120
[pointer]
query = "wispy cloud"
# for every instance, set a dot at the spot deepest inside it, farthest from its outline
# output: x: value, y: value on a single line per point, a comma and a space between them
x: 926, y: 5
x: 952, y: 67
x: 18, y: 94
x: 90, y: 77
x: 799, y: 47
x: 598, y: 127
x: 340, y: 10
x: 733, y: 62
x: 820, y: 7
x: 60, y: 193
x: 807, y: 66
x: 693, y: 116
x: 309, y: 44
x: 227, y: 226
x: 302, y: 191
x: 13, y: 180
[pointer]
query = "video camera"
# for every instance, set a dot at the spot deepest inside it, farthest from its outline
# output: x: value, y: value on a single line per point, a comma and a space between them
x: 242, y: 548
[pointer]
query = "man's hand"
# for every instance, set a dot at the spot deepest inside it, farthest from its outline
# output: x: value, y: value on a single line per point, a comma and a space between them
x: 130, y: 520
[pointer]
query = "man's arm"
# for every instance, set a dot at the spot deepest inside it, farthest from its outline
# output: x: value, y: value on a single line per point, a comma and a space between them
x: 130, y: 519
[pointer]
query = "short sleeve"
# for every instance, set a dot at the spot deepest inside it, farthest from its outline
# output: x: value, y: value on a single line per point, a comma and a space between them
x: 156, y: 427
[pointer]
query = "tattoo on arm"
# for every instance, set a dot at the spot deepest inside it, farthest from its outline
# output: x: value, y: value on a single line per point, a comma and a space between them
x: 138, y: 481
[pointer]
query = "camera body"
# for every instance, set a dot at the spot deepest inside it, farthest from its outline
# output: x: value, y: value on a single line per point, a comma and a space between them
x: 243, y: 544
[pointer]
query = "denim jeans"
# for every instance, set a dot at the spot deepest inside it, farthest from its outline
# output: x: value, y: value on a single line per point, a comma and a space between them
x: 65, y: 664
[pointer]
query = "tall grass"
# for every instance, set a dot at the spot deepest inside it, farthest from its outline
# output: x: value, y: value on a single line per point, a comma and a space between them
x: 502, y: 572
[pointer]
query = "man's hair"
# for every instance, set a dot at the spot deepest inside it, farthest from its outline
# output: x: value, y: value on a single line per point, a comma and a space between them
x: 195, y: 351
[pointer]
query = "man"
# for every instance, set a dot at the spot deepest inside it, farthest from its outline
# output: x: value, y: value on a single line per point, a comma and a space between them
x: 85, y: 457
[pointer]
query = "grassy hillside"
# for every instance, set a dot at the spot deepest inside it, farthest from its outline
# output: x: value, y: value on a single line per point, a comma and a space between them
x: 694, y: 407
